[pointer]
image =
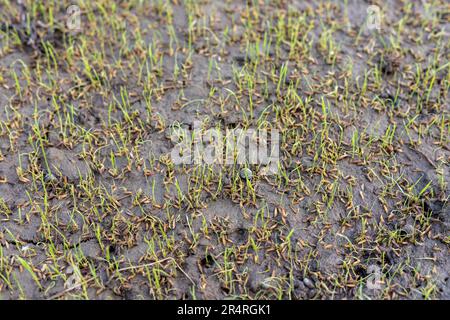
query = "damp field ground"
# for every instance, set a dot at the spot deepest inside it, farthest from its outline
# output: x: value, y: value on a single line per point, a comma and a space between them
x: 92, y: 205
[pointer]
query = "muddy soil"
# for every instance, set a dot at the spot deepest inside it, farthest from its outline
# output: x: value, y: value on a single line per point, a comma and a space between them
x: 91, y: 206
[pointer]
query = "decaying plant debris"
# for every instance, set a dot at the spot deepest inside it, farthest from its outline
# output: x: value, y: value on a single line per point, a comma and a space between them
x: 92, y: 207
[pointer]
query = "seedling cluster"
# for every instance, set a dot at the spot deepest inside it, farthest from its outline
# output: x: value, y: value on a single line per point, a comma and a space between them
x: 92, y: 206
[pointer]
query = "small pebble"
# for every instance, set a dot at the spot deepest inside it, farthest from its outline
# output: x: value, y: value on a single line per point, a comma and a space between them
x: 308, y: 283
x: 69, y: 270
x: 312, y: 293
x: 246, y: 173
x: 409, y: 229
x: 299, y: 285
